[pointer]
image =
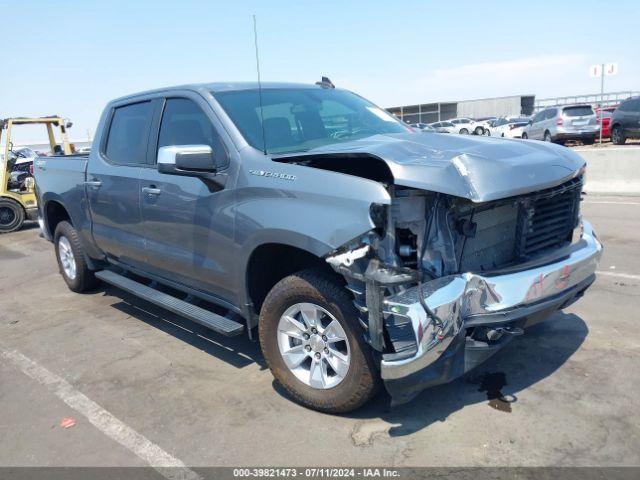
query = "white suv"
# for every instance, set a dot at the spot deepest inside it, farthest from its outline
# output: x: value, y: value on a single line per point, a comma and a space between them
x: 466, y: 126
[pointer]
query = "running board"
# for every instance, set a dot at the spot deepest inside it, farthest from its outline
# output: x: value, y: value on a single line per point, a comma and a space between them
x: 211, y: 320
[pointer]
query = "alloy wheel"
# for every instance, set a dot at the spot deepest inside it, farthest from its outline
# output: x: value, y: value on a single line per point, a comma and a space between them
x: 313, y: 345
x: 67, y: 259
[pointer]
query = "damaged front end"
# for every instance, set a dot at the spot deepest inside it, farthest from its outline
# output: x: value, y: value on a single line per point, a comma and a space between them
x: 442, y: 282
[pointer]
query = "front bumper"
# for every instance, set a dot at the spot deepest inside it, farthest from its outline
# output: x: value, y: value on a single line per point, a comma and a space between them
x: 460, y: 302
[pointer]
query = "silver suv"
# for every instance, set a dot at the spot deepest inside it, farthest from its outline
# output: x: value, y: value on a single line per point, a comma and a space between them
x: 558, y: 124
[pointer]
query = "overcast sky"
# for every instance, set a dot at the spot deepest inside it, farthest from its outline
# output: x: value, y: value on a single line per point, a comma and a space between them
x: 69, y: 57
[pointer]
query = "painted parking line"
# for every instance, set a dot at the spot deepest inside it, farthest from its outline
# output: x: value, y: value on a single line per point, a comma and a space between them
x: 628, y: 276
x: 167, y: 465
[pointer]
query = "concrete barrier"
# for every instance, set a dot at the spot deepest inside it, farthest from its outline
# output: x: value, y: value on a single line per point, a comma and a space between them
x: 612, y: 170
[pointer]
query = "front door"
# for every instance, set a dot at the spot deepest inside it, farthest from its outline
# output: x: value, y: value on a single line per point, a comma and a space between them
x: 113, y: 184
x: 188, y: 221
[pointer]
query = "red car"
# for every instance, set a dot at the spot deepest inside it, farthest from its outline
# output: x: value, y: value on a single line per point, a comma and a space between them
x: 607, y: 112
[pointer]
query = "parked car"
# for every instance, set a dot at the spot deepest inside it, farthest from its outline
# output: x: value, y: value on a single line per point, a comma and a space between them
x: 424, y: 127
x: 515, y: 128
x: 485, y: 123
x: 83, y: 150
x: 625, y: 122
x: 359, y: 252
x: 467, y: 126
x: 443, y: 127
x: 559, y: 124
x: 603, y: 117
x: 497, y: 127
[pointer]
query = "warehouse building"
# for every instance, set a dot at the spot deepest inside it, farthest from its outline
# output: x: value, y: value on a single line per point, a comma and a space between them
x: 514, y: 105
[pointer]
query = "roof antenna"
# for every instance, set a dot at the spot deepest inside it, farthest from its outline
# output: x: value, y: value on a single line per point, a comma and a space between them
x: 255, y: 38
x: 325, y: 83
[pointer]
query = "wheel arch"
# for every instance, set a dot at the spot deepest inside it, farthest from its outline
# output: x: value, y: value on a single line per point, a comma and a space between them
x: 272, y: 260
x: 53, y: 213
x: 276, y: 256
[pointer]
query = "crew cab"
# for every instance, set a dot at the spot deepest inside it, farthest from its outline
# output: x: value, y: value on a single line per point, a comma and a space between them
x: 360, y: 251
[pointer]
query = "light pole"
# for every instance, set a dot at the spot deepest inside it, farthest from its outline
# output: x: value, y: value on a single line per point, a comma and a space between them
x: 600, y: 70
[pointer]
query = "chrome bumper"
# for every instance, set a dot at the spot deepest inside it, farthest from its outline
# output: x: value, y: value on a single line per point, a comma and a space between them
x: 459, y: 299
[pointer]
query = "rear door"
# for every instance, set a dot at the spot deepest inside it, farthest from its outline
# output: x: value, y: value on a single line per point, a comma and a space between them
x: 188, y: 221
x: 113, y: 183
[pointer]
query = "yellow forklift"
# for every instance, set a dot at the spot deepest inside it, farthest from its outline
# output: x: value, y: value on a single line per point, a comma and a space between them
x: 17, y: 187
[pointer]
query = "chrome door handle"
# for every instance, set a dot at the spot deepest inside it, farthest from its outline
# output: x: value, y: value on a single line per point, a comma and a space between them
x: 93, y: 183
x: 151, y: 191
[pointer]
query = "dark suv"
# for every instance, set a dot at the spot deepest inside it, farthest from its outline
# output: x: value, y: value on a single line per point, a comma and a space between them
x: 625, y: 122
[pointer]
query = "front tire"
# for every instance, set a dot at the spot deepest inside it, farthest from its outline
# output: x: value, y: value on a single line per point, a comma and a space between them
x: 11, y: 215
x: 71, y: 260
x: 524, y: 136
x: 312, y: 342
x: 479, y: 131
x: 547, y: 136
x: 464, y: 131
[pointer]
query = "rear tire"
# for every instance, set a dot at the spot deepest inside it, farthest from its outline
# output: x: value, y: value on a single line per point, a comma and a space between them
x: 617, y: 135
x: 11, y: 215
x: 309, y: 360
x: 547, y: 136
x: 71, y: 260
x: 524, y: 136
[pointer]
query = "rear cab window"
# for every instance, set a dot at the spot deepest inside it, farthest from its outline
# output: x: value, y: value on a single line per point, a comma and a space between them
x: 129, y: 134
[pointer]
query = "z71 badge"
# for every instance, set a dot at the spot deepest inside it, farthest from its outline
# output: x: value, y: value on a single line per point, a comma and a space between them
x: 281, y: 176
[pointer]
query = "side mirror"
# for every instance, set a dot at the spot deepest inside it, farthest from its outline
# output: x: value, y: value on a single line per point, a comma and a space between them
x: 531, y: 122
x: 189, y: 160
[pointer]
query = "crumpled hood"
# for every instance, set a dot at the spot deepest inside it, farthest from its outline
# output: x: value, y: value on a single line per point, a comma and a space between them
x: 477, y: 168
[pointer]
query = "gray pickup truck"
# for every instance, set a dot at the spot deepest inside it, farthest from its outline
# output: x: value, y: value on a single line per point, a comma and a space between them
x: 360, y: 251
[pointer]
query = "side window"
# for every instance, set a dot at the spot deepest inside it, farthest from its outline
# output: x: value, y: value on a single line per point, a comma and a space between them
x: 551, y: 113
x: 129, y: 134
x: 634, y: 105
x: 184, y: 123
x: 539, y: 116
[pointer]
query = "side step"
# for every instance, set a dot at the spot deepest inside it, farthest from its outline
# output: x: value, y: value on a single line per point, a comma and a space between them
x: 199, y: 315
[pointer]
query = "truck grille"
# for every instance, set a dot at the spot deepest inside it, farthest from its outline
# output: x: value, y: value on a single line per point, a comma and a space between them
x: 547, y: 220
x: 517, y: 229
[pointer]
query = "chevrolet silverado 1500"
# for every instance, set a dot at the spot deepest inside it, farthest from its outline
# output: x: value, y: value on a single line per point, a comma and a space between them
x: 361, y: 251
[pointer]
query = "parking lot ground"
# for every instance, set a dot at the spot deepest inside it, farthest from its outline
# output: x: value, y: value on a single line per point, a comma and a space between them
x: 145, y: 386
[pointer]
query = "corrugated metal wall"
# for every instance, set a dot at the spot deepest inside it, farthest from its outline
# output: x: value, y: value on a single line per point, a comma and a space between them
x: 499, y: 107
x: 432, y: 112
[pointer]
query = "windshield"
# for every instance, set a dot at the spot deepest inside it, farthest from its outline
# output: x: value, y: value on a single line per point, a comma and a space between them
x: 299, y: 119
